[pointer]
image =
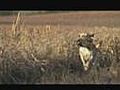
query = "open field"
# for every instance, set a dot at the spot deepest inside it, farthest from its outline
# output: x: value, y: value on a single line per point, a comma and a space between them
x: 83, y: 18
x: 41, y: 48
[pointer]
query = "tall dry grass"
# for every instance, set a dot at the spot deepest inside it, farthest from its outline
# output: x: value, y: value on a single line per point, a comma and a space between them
x: 48, y: 54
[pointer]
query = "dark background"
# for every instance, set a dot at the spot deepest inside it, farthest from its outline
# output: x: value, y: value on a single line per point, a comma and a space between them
x: 60, y: 4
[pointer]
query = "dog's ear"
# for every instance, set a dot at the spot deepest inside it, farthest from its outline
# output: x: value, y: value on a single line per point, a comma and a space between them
x: 79, y: 35
x: 92, y: 35
x: 82, y: 35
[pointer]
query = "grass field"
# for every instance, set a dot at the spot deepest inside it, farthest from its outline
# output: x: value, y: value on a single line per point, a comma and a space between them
x: 41, y: 48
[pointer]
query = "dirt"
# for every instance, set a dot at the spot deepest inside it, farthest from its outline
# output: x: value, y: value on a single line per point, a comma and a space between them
x: 73, y: 18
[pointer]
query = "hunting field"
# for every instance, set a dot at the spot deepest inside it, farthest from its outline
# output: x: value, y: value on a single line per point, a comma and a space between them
x: 41, y: 49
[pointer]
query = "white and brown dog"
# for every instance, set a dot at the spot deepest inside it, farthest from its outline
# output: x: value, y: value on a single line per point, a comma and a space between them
x: 87, y: 49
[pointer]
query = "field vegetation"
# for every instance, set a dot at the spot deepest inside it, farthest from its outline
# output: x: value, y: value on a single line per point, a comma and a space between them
x: 45, y: 52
